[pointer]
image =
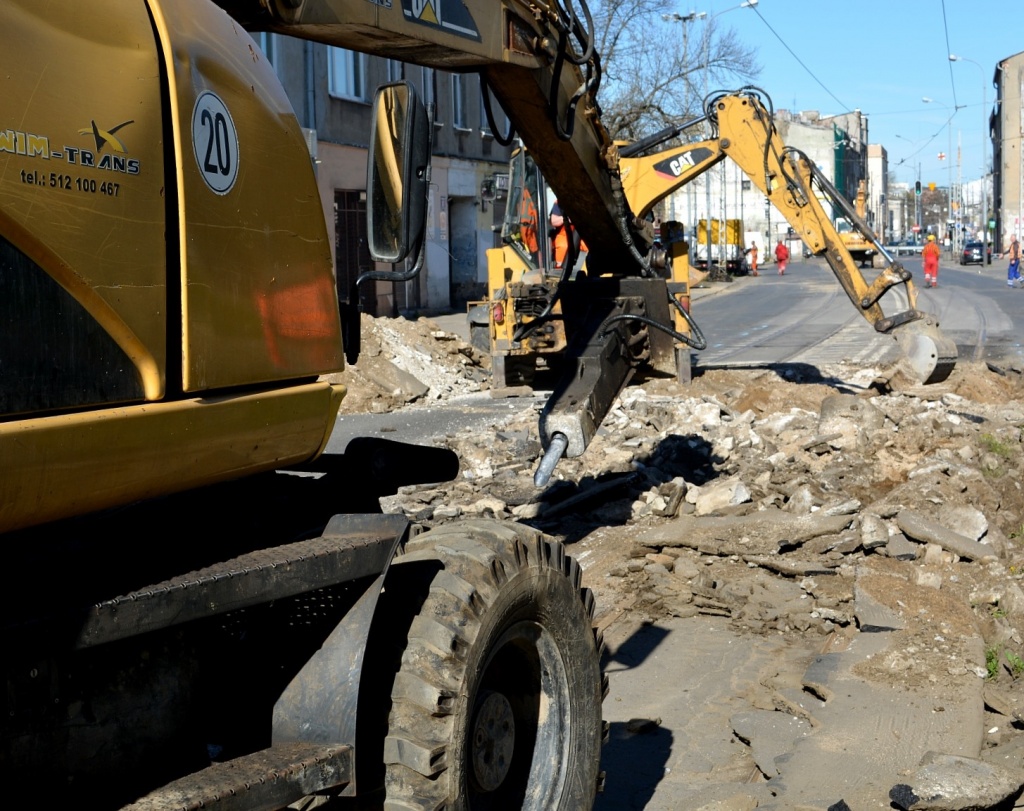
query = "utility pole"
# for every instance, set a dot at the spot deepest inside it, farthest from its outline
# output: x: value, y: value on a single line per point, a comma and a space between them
x: 917, y: 205
x: 984, y: 155
x: 723, y: 276
x: 684, y: 19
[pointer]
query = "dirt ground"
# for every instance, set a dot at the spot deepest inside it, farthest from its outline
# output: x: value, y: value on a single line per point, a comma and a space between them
x: 743, y: 493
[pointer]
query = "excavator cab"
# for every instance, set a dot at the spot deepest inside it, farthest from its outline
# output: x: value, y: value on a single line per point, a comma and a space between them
x: 525, y: 227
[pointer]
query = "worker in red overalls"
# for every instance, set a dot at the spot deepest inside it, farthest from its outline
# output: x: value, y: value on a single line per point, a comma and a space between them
x: 782, y: 257
x: 930, y: 260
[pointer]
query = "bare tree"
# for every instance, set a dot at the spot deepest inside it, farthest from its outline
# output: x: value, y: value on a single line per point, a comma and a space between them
x: 656, y: 72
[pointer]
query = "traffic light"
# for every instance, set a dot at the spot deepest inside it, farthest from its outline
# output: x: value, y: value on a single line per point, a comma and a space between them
x: 917, y: 188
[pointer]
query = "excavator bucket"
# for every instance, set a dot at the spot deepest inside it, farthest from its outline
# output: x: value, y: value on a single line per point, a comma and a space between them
x: 927, y: 353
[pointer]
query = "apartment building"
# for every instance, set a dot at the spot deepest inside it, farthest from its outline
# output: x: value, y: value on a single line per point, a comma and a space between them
x: 1006, y: 126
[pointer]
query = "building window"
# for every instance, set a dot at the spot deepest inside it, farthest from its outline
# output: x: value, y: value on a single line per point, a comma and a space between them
x: 346, y: 74
x: 459, y: 116
x: 395, y: 70
x: 268, y: 44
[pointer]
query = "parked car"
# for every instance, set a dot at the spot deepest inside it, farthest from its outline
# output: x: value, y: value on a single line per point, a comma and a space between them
x: 971, y: 254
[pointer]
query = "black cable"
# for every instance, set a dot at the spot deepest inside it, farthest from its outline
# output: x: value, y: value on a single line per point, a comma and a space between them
x: 571, y: 22
x: 698, y: 342
x: 503, y: 140
x: 545, y: 315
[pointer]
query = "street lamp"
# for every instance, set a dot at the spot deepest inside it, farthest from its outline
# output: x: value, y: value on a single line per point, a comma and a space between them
x: 949, y: 166
x: 984, y: 156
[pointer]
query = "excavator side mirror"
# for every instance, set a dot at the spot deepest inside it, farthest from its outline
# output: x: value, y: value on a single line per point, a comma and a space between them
x: 397, y: 173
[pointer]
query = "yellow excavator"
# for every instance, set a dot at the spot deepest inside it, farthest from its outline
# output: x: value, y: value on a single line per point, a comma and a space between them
x: 538, y: 318
x: 202, y: 608
x: 860, y: 244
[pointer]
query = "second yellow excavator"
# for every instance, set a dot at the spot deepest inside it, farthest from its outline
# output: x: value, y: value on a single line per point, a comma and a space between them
x: 532, y: 309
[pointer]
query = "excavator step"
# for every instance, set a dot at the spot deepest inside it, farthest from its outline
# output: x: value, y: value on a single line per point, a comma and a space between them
x: 351, y: 547
x: 268, y: 779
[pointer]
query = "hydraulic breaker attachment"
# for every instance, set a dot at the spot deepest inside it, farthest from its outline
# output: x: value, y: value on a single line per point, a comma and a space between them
x: 618, y: 325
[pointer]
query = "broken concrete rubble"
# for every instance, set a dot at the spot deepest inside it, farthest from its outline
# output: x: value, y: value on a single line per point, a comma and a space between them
x: 920, y: 528
x: 884, y: 527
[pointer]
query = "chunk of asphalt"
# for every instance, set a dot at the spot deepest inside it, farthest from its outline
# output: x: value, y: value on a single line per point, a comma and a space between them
x: 944, y: 782
x: 872, y: 616
x: 900, y: 548
x: 769, y: 735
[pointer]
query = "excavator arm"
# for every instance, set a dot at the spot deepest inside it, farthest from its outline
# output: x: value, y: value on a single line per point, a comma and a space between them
x: 745, y: 132
x: 791, y: 181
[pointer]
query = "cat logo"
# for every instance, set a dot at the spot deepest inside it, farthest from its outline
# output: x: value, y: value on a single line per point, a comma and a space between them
x: 451, y: 16
x: 677, y: 164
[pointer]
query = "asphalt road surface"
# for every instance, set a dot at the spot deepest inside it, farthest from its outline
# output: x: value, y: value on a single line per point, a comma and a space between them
x: 805, y: 316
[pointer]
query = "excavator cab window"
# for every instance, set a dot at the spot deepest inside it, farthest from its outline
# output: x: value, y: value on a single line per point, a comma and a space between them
x: 397, y: 173
x: 526, y: 215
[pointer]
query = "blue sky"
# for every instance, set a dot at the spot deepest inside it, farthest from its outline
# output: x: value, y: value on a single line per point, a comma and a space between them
x: 882, y: 57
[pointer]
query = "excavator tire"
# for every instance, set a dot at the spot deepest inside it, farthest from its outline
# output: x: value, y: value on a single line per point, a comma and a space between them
x: 497, y: 700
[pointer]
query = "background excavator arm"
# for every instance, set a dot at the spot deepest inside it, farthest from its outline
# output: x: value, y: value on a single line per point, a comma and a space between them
x: 745, y: 132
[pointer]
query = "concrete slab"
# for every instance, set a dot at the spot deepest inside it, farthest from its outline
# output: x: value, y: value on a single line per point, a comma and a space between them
x: 855, y: 738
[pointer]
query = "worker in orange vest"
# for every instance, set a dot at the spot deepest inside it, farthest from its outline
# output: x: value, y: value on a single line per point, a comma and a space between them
x: 562, y: 231
x: 752, y: 253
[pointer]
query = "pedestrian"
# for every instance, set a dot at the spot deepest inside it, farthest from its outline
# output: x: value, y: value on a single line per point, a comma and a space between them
x: 930, y: 256
x: 782, y: 257
x: 1013, y: 271
x: 752, y: 250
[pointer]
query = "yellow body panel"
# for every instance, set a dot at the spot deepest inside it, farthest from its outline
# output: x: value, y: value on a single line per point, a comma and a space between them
x: 258, y: 295
x: 71, y: 464
x: 133, y: 285
x: 81, y: 165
